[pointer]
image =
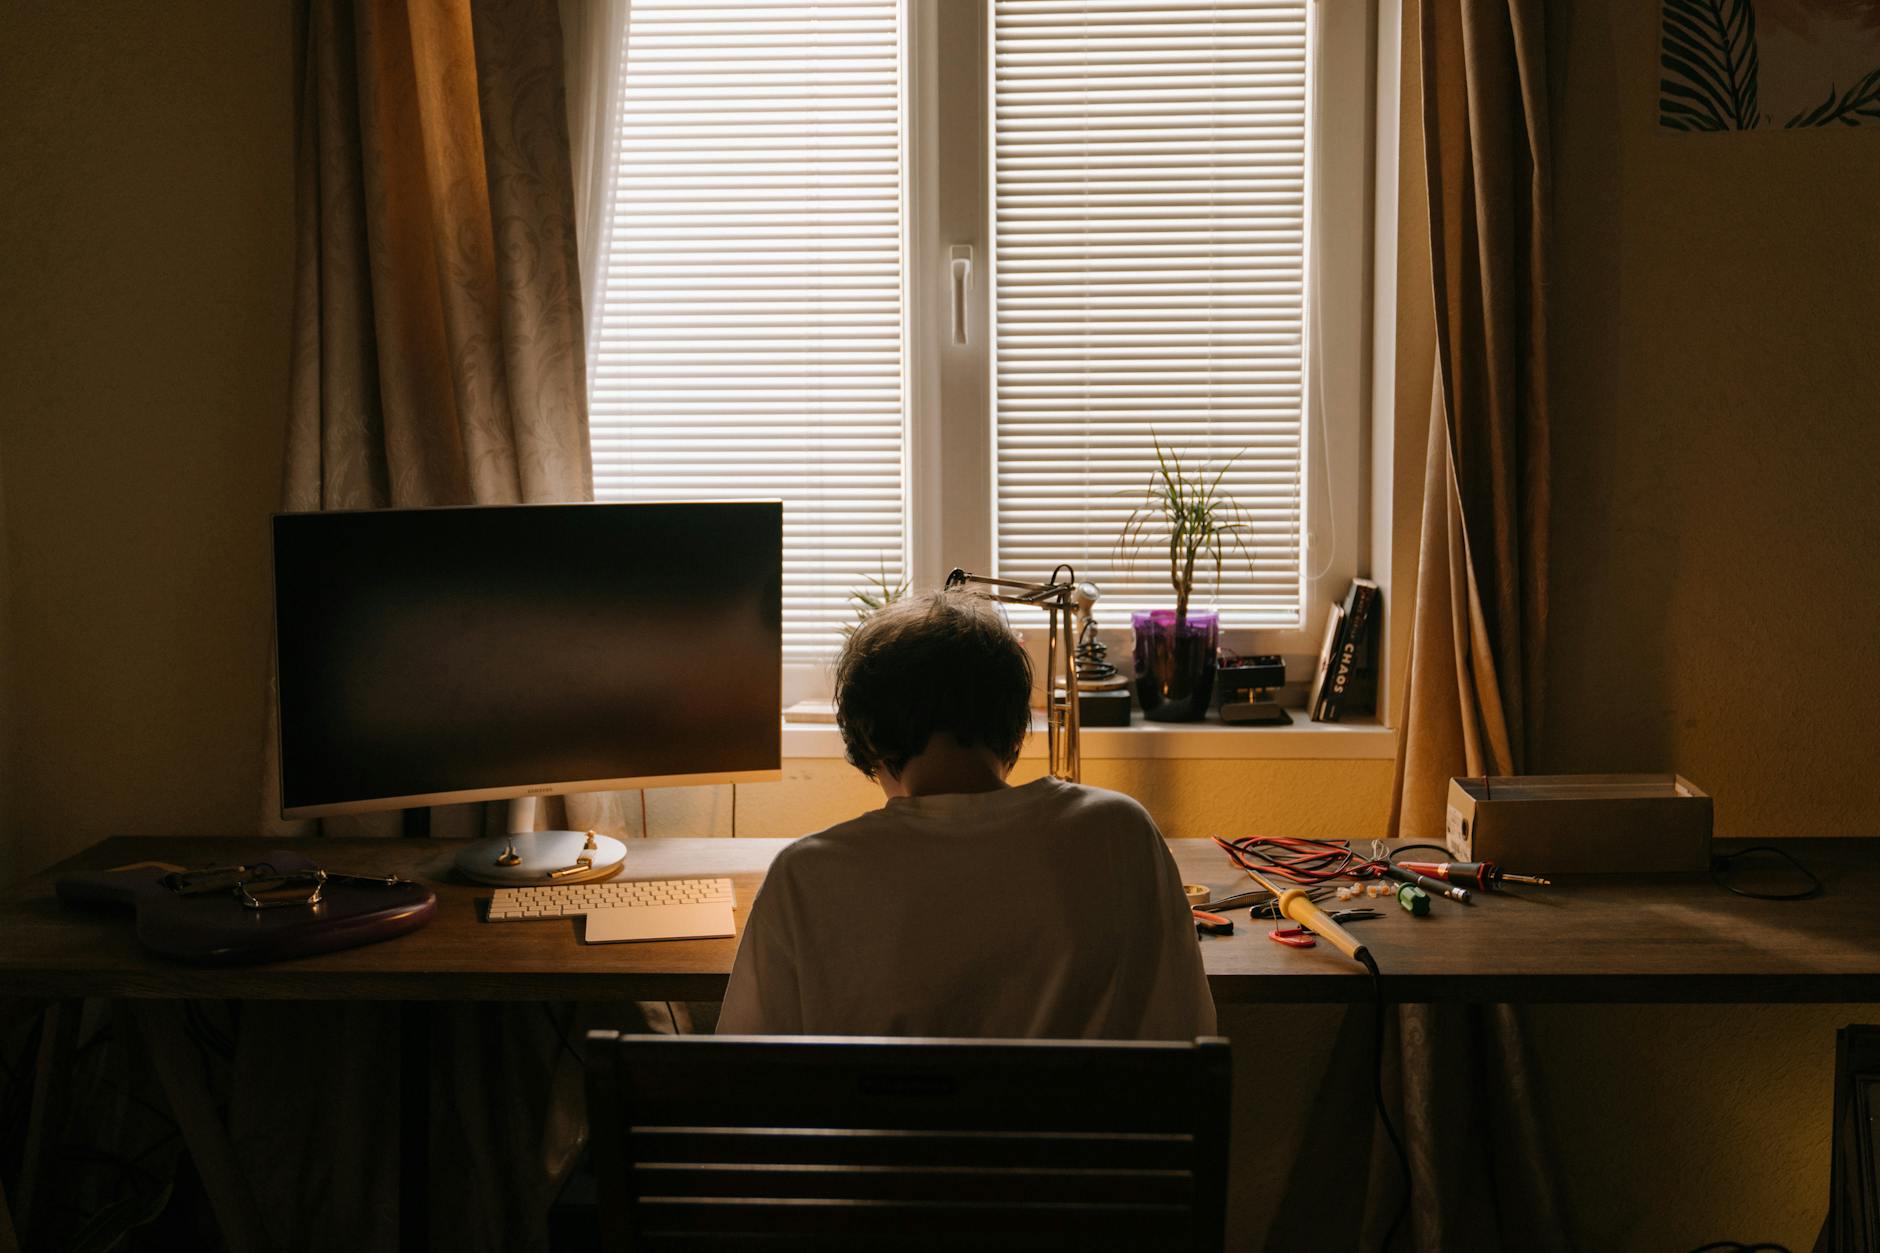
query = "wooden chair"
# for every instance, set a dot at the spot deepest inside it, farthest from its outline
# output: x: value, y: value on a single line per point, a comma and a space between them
x: 821, y: 1142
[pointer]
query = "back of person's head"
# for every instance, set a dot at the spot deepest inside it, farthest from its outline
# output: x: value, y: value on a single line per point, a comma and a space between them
x: 933, y: 662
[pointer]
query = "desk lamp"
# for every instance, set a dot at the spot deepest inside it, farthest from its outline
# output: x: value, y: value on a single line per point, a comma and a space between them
x: 1059, y: 599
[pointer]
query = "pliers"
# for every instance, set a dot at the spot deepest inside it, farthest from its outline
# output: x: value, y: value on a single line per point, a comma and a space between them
x: 1302, y: 937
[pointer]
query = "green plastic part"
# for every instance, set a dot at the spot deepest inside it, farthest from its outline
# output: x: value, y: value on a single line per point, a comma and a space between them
x: 1414, y: 899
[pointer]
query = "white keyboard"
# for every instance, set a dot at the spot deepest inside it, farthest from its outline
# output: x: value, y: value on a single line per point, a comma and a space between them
x: 627, y: 909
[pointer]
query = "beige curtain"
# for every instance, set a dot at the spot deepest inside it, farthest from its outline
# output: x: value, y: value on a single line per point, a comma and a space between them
x: 1470, y: 1112
x: 1472, y: 700
x: 438, y: 354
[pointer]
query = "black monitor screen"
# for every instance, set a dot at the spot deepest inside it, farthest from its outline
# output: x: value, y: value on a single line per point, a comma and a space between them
x: 429, y: 652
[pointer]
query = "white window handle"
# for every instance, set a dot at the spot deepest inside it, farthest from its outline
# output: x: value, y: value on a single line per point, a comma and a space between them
x: 960, y: 263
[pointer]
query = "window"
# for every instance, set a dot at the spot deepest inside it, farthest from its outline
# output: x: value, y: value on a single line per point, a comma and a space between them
x: 750, y: 323
x: 1149, y: 235
x: 1158, y: 220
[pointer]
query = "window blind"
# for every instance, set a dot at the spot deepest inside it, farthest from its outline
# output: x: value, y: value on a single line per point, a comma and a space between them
x: 750, y: 330
x: 1149, y: 219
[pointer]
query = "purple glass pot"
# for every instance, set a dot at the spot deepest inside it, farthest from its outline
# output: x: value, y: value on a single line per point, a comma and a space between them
x: 1175, y: 666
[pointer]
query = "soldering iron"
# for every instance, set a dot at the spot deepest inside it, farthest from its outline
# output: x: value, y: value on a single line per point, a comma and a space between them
x: 1403, y: 873
x: 1296, y: 904
x: 1484, y: 876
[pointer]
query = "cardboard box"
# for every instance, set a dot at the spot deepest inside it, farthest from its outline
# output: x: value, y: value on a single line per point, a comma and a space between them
x: 1581, y: 823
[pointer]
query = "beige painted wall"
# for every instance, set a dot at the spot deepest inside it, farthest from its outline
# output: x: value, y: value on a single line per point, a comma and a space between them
x: 1717, y: 435
x: 146, y: 276
x: 1716, y: 430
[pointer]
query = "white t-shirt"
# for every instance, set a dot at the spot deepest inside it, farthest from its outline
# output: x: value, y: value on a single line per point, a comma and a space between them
x: 1049, y: 911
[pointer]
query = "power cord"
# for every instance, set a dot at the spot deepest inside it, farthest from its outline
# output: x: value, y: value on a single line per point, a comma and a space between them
x: 1722, y: 863
x: 1377, y: 1092
x: 1412, y: 848
x: 561, y: 1034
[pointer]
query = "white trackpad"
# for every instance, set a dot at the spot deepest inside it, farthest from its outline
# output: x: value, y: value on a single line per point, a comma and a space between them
x: 659, y: 922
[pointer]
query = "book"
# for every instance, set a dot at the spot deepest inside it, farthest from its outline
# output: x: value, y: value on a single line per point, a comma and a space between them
x: 1334, y: 619
x: 1351, y: 682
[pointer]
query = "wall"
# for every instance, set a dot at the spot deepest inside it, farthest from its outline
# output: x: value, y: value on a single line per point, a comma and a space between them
x: 1717, y: 430
x: 147, y: 272
x: 1716, y: 425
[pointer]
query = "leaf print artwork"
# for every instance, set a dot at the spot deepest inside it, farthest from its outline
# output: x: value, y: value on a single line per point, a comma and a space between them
x: 1737, y: 65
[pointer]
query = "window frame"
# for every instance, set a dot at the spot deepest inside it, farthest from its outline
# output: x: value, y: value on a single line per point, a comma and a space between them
x: 948, y: 437
x: 950, y: 434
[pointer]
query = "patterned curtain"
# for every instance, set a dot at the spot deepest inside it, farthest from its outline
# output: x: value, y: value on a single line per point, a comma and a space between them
x: 439, y: 339
x: 438, y: 354
x: 438, y: 360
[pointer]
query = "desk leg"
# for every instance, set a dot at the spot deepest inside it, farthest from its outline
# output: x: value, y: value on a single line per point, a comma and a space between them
x: 179, y: 1069
x: 414, y: 1127
x: 57, y: 1034
x: 9, y: 1240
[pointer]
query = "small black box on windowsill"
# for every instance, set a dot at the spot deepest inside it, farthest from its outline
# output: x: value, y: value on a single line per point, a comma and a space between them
x: 1244, y: 692
x: 1104, y: 708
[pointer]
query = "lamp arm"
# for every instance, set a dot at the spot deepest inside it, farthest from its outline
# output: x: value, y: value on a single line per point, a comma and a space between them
x: 1061, y: 715
x: 1028, y: 593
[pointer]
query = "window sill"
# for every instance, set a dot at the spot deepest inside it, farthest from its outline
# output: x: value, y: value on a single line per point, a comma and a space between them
x: 1363, y: 740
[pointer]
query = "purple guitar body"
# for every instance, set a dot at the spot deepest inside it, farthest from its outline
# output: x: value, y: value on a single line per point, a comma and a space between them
x: 217, y: 929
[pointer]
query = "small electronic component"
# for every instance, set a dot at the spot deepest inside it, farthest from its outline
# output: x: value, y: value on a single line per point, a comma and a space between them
x: 1244, y: 689
x: 1415, y: 901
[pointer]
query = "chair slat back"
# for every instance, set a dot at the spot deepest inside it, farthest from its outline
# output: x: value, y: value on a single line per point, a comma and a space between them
x: 833, y: 1142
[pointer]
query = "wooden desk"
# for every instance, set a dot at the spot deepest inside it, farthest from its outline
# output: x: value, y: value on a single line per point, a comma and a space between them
x: 1667, y: 939
x: 1681, y: 939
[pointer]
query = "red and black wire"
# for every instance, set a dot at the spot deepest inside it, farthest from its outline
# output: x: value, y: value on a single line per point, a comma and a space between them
x: 1301, y: 861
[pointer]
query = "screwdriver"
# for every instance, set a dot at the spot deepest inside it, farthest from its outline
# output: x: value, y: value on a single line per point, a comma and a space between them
x: 1403, y: 873
x: 1484, y: 876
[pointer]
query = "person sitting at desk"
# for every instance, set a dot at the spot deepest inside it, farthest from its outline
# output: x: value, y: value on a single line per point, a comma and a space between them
x: 965, y: 906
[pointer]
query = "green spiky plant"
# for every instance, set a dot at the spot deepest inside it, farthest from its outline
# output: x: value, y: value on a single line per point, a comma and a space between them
x: 1186, y: 509
x: 877, y: 594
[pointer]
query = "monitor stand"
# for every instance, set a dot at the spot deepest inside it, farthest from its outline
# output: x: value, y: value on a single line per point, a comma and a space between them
x: 530, y: 858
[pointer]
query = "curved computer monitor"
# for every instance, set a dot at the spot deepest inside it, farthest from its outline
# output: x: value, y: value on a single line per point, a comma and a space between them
x: 430, y: 656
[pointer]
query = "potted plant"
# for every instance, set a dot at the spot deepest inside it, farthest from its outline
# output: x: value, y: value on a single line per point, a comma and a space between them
x: 1175, y: 649
x: 869, y: 600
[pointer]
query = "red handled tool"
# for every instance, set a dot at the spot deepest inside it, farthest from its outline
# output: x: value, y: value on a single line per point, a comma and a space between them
x: 1484, y: 876
x: 1402, y: 872
x: 1212, y: 924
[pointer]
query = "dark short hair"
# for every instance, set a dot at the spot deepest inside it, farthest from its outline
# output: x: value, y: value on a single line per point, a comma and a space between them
x: 936, y: 661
